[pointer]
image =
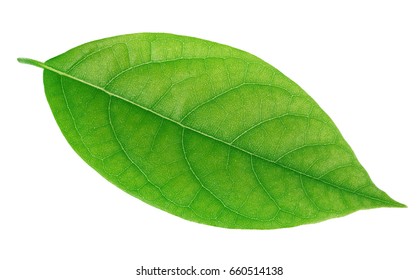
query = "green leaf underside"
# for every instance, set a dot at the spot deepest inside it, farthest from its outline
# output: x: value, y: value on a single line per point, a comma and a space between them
x: 206, y: 132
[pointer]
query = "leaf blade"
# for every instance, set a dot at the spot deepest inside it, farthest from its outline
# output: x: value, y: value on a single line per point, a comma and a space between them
x: 154, y: 89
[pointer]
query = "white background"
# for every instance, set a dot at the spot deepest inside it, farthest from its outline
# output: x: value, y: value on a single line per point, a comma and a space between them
x: 359, y: 60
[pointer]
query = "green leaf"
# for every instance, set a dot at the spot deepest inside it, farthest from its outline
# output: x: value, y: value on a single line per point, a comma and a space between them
x: 206, y: 132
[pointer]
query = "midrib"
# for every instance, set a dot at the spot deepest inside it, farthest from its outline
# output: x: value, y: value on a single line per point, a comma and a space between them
x: 64, y: 74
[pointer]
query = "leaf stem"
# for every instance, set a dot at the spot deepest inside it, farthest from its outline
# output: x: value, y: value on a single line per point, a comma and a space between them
x: 31, y: 61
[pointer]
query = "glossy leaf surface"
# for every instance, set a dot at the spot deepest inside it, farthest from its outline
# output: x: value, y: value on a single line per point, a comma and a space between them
x: 206, y: 132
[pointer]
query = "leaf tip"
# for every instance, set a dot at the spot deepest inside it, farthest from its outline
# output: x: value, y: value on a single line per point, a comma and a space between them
x: 401, y: 205
x: 397, y: 204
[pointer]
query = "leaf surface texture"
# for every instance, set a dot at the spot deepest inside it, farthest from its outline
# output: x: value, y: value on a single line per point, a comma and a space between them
x: 206, y: 132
